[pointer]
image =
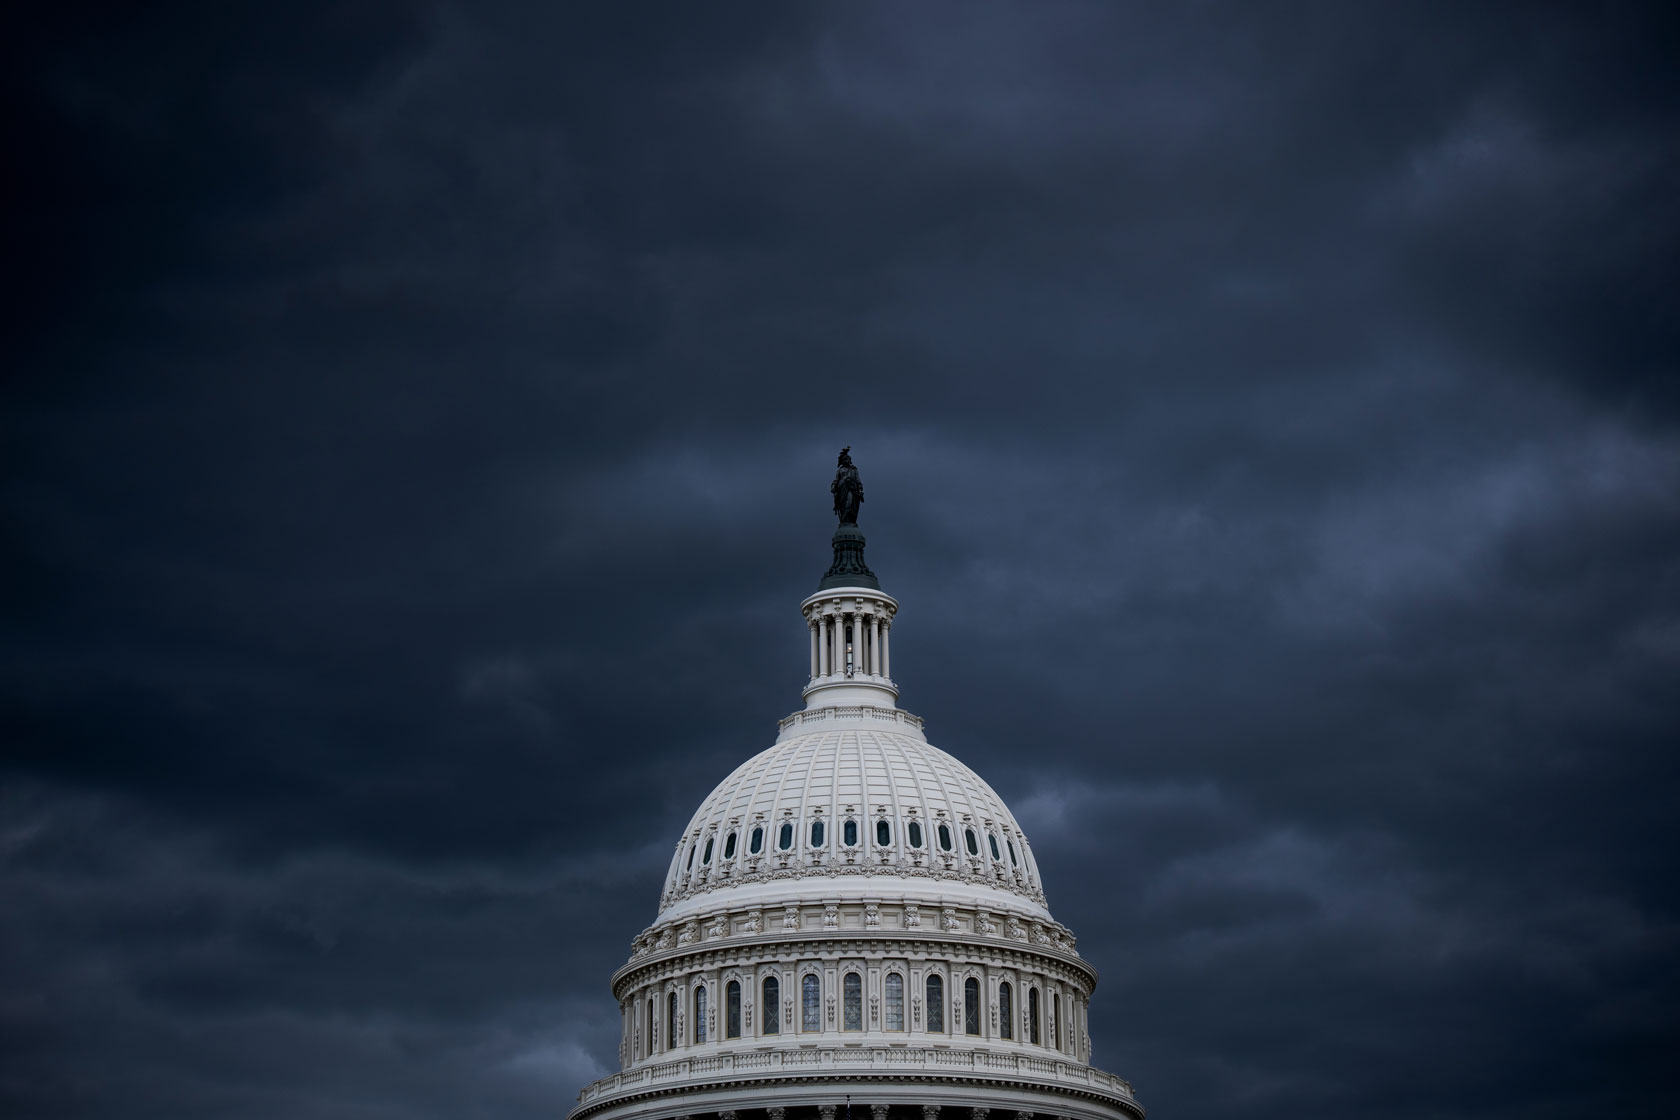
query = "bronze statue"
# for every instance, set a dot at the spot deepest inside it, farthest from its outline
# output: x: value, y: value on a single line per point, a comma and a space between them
x: 848, y: 490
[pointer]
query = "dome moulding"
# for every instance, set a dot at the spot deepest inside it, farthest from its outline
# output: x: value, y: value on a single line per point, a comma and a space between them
x: 853, y: 918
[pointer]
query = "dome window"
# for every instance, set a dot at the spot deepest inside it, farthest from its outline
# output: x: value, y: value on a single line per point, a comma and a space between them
x: 692, y: 849
x: 854, y: 1002
x: 771, y: 1004
x: 810, y: 1002
x: 973, y: 844
x: 849, y: 834
x: 971, y: 1004
x: 996, y: 855
x: 757, y: 844
x: 700, y: 1013
x: 945, y: 837
x: 729, y: 847
x: 936, y: 1003
x: 670, y: 1020
x: 1006, y: 1009
x: 732, y: 1006
x: 1010, y: 844
x: 1032, y: 1016
x: 883, y: 834
x: 894, y: 987
x: 915, y: 833
x: 816, y: 834
x: 707, y: 858
x: 785, y: 840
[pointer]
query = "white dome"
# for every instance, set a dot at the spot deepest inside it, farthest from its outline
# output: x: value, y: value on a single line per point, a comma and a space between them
x: 863, y: 775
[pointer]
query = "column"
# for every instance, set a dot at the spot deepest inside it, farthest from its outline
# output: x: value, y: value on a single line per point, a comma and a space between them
x: 813, y: 628
x: 839, y: 643
x: 886, y: 650
x: 823, y: 645
x: 875, y: 645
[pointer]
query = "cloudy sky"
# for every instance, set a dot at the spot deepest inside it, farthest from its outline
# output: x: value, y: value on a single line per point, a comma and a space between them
x: 416, y: 435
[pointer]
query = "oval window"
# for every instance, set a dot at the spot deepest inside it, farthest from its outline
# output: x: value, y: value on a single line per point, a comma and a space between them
x: 883, y: 833
x: 757, y: 844
x: 973, y: 844
x: 785, y: 841
x: 945, y: 837
x: 849, y: 833
x: 691, y: 853
x: 1013, y: 862
x: 915, y: 831
x: 990, y: 839
x: 707, y: 858
x: 729, y: 847
x: 816, y: 834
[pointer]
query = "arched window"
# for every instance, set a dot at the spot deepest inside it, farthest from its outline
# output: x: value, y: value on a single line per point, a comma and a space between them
x: 968, y: 835
x: 700, y: 1013
x: 729, y: 847
x: 915, y: 832
x: 670, y: 1020
x: 936, y: 1003
x: 816, y: 834
x: 853, y: 992
x: 945, y: 837
x: 1013, y: 862
x: 810, y: 1002
x: 971, y: 1006
x: 732, y: 1010
x: 1006, y: 1010
x: 707, y: 858
x: 848, y: 835
x: 650, y: 1022
x: 770, y: 1007
x: 996, y: 855
x: 1032, y: 1016
x: 757, y: 844
x: 1056, y: 1034
x: 785, y: 840
x: 883, y: 833
x: 894, y: 990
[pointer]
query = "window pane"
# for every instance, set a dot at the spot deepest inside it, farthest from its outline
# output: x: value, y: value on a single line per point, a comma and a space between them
x: 989, y: 837
x: 971, y: 1005
x: 850, y: 834
x: 707, y: 858
x: 936, y: 1003
x: 671, y: 1020
x: 883, y: 833
x: 945, y: 837
x: 968, y: 834
x: 732, y: 1008
x: 1006, y: 1010
x: 772, y: 1005
x: 895, y: 1001
x: 691, y: 852
x: 700, y: 1014
x: 816, y: 834
x: 1013, y: 862
x: 785, y: 841
x: 811, y: 1001
x: 1032, y: 1015
x: 1055, y: 1019
x: 854, y: 1002
x: 757, y: 844
x: 729, y: 847
x: 915, y: 835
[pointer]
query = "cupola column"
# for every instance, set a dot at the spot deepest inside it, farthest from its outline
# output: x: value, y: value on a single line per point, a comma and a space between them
x: 886, y: 649
x: 875, y: 645
x: 823, y: 644
x: 812, y: 627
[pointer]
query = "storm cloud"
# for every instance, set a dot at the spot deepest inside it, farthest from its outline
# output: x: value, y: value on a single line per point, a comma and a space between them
x: 416, y: 437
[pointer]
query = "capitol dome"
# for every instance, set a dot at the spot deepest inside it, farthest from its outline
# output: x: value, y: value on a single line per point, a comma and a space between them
x: 854, y: 917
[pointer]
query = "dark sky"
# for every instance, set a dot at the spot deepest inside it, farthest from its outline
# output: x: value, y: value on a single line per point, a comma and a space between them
x: 417, y: 426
